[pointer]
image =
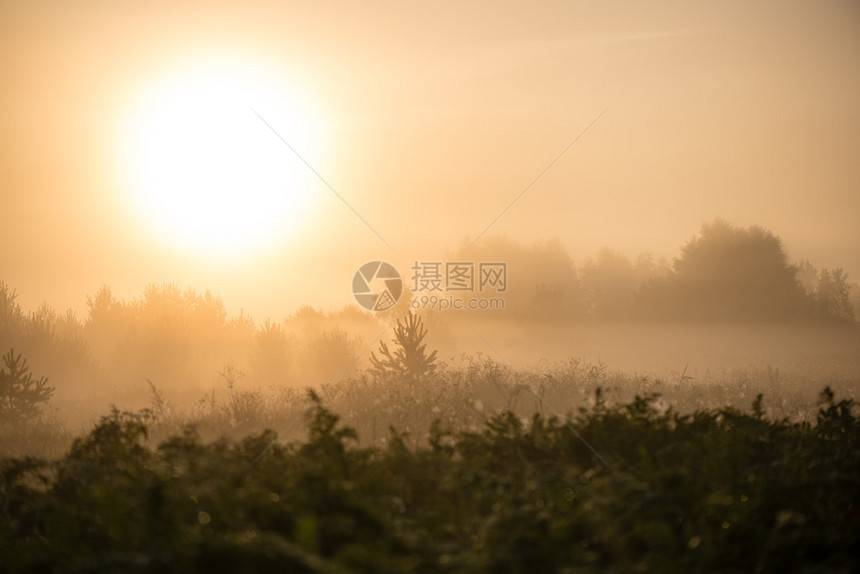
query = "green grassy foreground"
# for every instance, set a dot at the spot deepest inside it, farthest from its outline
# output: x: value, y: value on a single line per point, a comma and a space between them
x: 717, y: 490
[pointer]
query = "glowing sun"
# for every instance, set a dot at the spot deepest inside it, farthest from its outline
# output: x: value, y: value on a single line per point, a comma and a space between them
x: 205, y: 165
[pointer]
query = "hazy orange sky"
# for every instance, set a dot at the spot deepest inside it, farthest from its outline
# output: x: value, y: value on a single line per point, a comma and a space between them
x: 429, y: 119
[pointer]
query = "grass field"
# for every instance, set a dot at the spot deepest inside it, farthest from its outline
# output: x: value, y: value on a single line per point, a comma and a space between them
x: 565, y: 467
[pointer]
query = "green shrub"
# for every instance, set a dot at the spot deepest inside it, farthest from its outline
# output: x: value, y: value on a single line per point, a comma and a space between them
x: 716, y: 490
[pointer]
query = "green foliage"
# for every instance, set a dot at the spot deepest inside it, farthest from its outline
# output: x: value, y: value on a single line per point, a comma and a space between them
x: 715, y: 490
x: 21, y: 395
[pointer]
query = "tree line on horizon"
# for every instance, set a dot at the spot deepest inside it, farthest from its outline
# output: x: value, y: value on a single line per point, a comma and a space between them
x: 174, y: 336
x: 725, y: 273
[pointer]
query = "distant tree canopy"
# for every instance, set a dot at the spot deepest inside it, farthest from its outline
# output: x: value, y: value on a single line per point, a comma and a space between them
x: 832, y: 294
x: 52, y: 341
x: 728, y: 272
x: 542, y: 280
x: 724, y: 273
x: 609, y: 284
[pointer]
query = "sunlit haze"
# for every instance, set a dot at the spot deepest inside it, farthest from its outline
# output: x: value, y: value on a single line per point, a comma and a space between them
x: 206, y: 174
x: 430, y: 286
x: 428, y: 121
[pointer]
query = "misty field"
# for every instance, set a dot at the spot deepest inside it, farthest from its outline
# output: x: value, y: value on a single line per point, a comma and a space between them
x: 623, y: 418
x: 430, y: 287
x: 412, y: 463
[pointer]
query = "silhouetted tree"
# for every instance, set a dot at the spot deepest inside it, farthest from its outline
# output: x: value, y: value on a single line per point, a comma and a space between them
x: 102, y: 307
x: 609, y: 284
x: 807, y: 276
x: 728, y: 272
x: 307, y: 320
x: 11, y: 316
x: 541, y: 279
x: 832, y: 295
x: 21, y: 394
x: 647, y: 268
x: 206, y: 314
x: 329, y: 353
x: 828, y: 291
x: 549, y: 302
x: 270, y: 358
x: 854, y: 298
x: 410, y: 360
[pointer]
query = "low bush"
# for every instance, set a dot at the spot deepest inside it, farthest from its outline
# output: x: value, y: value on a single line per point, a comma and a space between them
x: 608, y: 489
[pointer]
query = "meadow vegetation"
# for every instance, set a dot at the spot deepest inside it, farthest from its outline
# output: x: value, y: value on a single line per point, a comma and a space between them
x: 629, y: 487
x: 415, y: 452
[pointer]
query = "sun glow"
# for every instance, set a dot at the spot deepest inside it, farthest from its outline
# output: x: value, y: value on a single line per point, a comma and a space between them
x: 205, y: 171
